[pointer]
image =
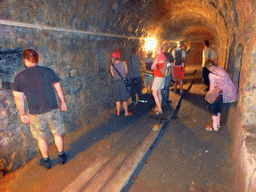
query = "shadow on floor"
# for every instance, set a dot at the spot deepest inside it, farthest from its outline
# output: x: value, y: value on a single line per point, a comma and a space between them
x: 113, y: 124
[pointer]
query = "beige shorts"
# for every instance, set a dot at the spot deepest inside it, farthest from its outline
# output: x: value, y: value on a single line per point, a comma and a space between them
x: 38, y: 123
x: 158, y: 83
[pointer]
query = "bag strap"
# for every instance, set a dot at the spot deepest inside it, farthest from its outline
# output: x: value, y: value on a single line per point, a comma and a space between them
x: 163, y: 69
x: 117, y: 71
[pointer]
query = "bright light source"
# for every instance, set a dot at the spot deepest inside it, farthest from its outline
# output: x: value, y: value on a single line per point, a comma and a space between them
x: 150, y: 44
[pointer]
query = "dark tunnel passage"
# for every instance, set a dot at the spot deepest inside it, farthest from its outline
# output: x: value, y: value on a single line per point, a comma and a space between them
x: 76, y: 38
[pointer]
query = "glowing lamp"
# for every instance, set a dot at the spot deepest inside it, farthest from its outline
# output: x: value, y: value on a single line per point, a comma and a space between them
x: 150, y: 44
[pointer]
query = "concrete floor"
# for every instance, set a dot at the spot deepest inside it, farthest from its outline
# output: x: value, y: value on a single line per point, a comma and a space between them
x: 185, y: 158
x: 188, y: 158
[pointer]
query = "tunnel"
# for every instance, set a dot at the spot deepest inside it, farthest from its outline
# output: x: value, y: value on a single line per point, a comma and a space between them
x: 76, y: 38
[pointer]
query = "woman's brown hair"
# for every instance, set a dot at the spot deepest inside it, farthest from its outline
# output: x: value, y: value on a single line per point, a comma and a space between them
x: 209, y: 63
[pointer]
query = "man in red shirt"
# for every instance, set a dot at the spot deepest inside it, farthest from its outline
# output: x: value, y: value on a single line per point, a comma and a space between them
x: 159, y: 80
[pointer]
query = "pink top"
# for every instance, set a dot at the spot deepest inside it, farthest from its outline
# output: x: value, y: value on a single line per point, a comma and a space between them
x: 220, y: 78
x: 160, y: 57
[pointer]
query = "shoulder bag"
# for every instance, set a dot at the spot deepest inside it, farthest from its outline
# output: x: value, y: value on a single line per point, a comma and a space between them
x: 213, y: 96
x: 165, y: 70
x: 126, y: 81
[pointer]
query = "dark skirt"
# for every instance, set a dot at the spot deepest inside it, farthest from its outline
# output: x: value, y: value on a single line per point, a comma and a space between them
x: 120, y: 91
x: 216, y: 107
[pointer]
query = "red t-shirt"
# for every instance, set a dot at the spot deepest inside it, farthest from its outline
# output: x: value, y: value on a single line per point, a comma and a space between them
x: 157, y: 71
x: 159, y: 59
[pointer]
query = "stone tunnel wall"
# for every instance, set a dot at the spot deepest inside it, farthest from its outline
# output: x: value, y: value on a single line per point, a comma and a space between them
x: 80, y: 59
x: 242, y: 63
x: 86, y: 82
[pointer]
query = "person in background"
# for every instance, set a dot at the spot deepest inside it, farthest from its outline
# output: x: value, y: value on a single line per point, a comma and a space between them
x: 38, y: 84
x: 208, y: 53
x: 118, y: 68
x: 179, y: 68
x: 168, y: 79
x: 158, y: 82
x: 135, y: 66
x: 149, y: 76
x: 219, y: 79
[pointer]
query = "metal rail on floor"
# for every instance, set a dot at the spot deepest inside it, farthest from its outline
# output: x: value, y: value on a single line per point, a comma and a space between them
x: 176, y: 111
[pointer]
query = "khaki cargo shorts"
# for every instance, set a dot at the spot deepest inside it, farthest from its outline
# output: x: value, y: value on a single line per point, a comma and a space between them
x: 38, y: 123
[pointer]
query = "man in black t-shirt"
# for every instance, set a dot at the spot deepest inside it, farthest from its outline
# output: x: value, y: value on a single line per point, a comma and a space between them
x: 135, y: 65
x: 39, y: 84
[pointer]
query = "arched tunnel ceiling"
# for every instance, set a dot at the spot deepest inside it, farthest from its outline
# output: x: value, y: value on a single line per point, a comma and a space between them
x: 187, y: 25
x: 186, y: 19
x: 164, y: 19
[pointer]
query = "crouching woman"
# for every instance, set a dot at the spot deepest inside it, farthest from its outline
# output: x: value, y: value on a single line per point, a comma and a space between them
x: 222, y: 91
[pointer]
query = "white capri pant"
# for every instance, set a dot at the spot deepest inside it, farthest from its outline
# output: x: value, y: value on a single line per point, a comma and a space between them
x: 158, y: 83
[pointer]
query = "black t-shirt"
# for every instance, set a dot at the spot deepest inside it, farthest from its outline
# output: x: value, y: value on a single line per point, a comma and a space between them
x: 36, y: 83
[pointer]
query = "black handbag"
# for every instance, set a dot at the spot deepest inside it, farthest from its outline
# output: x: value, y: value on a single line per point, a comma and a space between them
x: 127, y: 81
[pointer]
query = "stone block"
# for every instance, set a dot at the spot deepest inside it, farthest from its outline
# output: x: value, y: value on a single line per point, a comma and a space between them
x: 3, y: 95
x: 18, y: 158
x: 250, y: 143
x: 2, y: 163
x: 4, y: 124
x: 3, y: 115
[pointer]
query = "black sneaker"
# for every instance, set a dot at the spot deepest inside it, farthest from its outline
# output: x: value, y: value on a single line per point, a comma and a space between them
x: 167, y: 102
x: 46, y: 163
x: 62, y: 158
